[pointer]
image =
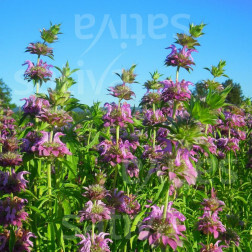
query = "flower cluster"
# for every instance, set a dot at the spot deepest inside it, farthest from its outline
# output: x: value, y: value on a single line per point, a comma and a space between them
x: 40, y: 72
x: 98, y: 243
x: 12, y: 211
x: 117, y: 115
x: 161, y: 230
x: 50, y: 146
x: 116, y: 154
x: 180, y: 57
x: 12, y: 182
x: 22, y: 240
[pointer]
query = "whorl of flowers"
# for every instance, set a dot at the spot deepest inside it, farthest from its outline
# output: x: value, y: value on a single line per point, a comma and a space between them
x: 57, y: 118
x: 95, y: 212
x: 213, y: 204
x: 180, y: 57
x: 12, y: 211
x: 30, y: 139
x: 212, y: 247
x: 179, y: 168
x: 151, y: 118
x: 10, y: 159
x: 33, y: 105
x: 121, y: 91
x: 177, y: 91
x: 209, y: 223
x: 117, y: 115
x: 129, y: 205
x: 14, y: 182
x: 55, y: 148
x: 40, y: 72
x: 151, y: 98
x: 39, y: 49
x: 10, y: 144
x: 99, y: 243
x: 114, y: 154
x: 229, y: 237
x: 22, y: 240
x: 163, y: 231
x: 95, y: 192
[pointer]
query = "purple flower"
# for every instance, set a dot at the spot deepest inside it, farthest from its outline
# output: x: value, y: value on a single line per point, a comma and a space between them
x: 95, y: 192
x: 151, y: 98
x: 160, y: 231
x: 177, y: 91
x: 14, y: 182
x: 39, y: 49
x: 10, y: 159
x: 45, y: 148
x: 213, y: 204
x: 230, y: 236
x: 57, y: 118
x: 22, y: 241
x: 117, y: 115
x: 151, y: 118
x: 129, y: 205
x: 40, y: 72
x: 212, y: 247
x: 180, y: 57
x: 33, y: 105
x: 132, y: 168
x: 178, y: 168
x: 121, y: 91
x: 31, y: 139
x: 99, y: 243
x: 95, y: 212
x: 12, y: 211
x: 209, y: 224
x: 114, y: 154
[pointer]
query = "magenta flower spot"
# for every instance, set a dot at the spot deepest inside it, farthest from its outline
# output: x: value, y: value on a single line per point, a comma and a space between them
x: 213, y: 204
x: 151, y: 118
x: 178, y: 168
x: 10, y: 159
x: 132, y: 168
x: 129, y: 205
x: 114, y: 154
x: 33, y: 105
x: 22, y: 240
x: 99, y: 243
x: 151, y: 98
x: 121, y: 91
x: 212, y: 247
x: 40, y: 72
x: 55, y: 149
x: 10, y: 144
x: 229, y: 237
x: 178, y: 91
x: 14, y: 182
x: 57, y: 118
x: 161, y: 231
x: 31, y: 139
x: 117, y: 115
x: 95, y: 212
x: 39, y: 49
x: 180, y: 57
x: 209, y: 223
x: 12, y: 211
x: 95, y: 192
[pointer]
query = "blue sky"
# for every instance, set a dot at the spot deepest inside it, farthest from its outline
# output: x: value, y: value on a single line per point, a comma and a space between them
x: 102, y: 37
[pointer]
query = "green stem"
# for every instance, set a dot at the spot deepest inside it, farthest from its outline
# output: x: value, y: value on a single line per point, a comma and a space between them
x: 154, y: 130
x: 115, y: 178
x: 229, y: 163
x: 166, y: 202
x: 93, y: 229
x: 117, y: 135
x: 177, y: 74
